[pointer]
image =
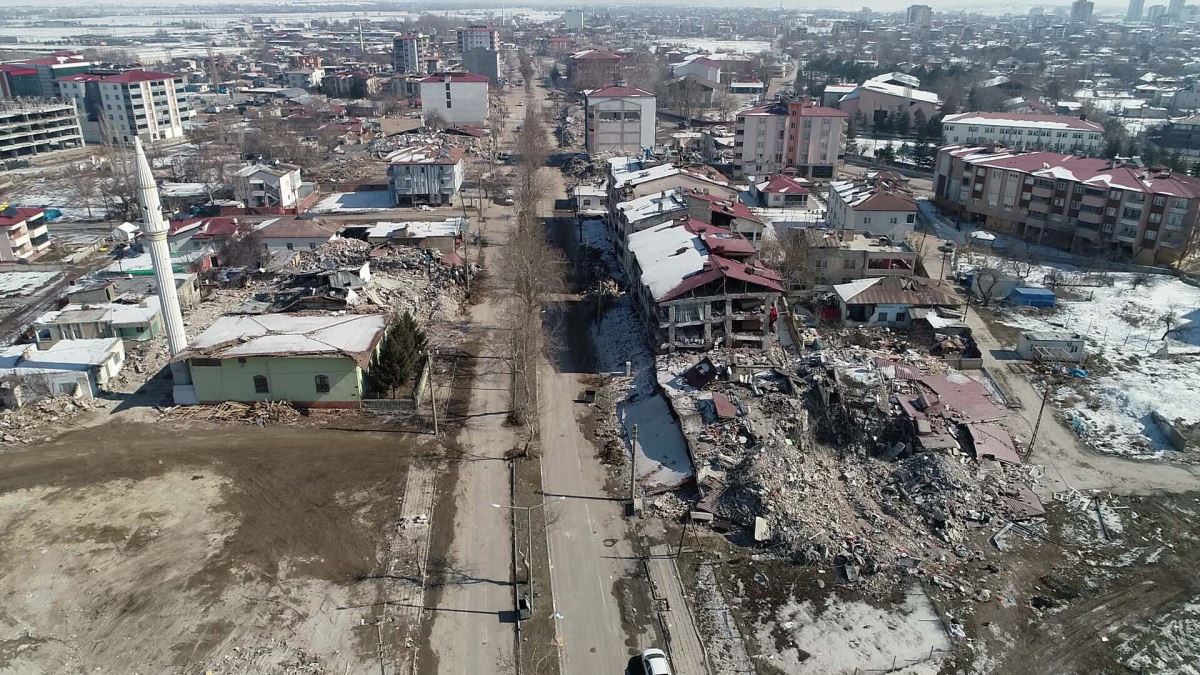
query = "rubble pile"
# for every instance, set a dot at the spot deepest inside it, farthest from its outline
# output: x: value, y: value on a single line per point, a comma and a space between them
x: 831, y: 470
x: 259, y: 413
x: 34, y: 420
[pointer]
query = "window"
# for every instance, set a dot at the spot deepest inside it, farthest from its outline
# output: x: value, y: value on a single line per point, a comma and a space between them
x: 260, y: 385
x: 1160, y: 200
x: 1061, y: 184
x: 893, y: 220
x: 291, y: 246
x: 883, y: 316
x: 312, y: 245
x: 901, y: 317
x: 866, y: 220
x: 1151, y: 234
x: 1079, y: 188
x: 849, y: 264
x: 322, y: 384
x: 910, y: 218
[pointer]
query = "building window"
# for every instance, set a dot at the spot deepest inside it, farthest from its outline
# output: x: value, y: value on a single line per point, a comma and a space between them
x: 1160, y: 200
x: 260, y: 385
x: 312, y: 245
x: 911, y: 218
x: 291, y: 246
x: 322, y: 384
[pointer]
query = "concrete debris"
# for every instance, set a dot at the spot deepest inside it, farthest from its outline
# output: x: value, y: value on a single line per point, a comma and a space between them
x: 259, y: 413
x: 842, y: 456
x: 35, y: 421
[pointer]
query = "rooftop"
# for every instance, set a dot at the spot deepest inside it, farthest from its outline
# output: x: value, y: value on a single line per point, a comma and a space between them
x: 296, y: 228
x: 998, y: 119
x: 455, y: 77
x: 111, y: 312
x: 427, y: 153
x: 619, y: 92
x: 287, y: 335
x: 653, y: 204
x: 873, y: 195
x: 897, y: 291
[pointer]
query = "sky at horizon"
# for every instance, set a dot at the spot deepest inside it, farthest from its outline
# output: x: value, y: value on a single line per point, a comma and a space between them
x: 986, y: 6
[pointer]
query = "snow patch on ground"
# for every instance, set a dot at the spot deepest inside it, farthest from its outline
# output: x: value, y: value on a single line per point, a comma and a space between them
x: 1112, y: 410
x: 363, y: 200
x: 1167, y: 645
x: 845, y: 637
x: 22, y: 284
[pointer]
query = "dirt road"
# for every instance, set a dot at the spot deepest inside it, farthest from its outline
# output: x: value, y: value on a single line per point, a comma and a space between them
x: 238, y: 549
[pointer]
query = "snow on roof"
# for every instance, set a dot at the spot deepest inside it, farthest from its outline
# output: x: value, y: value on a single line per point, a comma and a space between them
x: 450, y: 227
x: 996, y: 119
x: 85, y: 352
x: 847, y: 291
x: 455, y: 77
x: 111, y: 312
x: 667, y: 254
x: 867, y: 196
x: 618, y: 92
x: 287, y: 335
x: 897, y: 90
x: 279, y: 169
x: 653, y: 204
x: 183, y: 190
x: 782, y: 184
x: 294, y: 228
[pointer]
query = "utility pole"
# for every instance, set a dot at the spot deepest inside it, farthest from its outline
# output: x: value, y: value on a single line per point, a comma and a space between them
x: 1037, y: 424
x: 633, y: 470
x: 432, y: 394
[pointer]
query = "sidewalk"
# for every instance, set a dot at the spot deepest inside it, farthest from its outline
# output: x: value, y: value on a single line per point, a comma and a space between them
x: 683, y: 640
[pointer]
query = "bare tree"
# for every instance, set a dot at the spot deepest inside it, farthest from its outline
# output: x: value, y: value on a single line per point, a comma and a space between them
x: 85, y: 187
x: 725, y: 103
x: 434, y: 121
x: 1140, y: 279
x: 792, y: 256
x: 1171, y: 321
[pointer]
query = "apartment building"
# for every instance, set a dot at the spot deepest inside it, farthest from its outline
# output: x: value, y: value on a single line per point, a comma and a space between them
x: 889, y: 94
x: 1086, y: 205
x: 799, y: 138
x: 1181, y: 135
x: 425, y: 174
x: 477, y: 37
x: 618, y: 119
x: 1059, y: 133
x: 919, y: 15
x: 29, y: 128
x: 267, y: 186
x: 48, y: 69
x: 23, y: 234
x: 133, y: 104
x: 593, y: 68
x: 407, y: 52
x: 841, y: 257
x: 460, y: 99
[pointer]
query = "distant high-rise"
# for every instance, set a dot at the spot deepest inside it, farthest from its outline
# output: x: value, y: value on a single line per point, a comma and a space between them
x: 478, y: 37
x: 1155, y: 13
x: 573, y: 19
x: 1081, y: 11
x: 1037, y: 11
x: 1135, y: 11
x: 1175, y: 10
x: 407, y: 51
x: 919, y: 15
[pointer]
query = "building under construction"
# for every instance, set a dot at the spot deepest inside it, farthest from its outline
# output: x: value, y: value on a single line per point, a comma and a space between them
x: 29, y: 128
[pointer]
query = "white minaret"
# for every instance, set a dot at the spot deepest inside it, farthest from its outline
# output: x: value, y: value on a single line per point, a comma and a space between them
x: 154, y: 230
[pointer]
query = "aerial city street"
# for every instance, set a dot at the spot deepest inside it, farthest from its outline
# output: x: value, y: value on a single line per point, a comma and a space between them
x: 469, y: 337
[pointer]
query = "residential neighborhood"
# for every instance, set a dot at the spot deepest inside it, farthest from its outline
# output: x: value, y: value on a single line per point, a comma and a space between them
x: 644, y: 339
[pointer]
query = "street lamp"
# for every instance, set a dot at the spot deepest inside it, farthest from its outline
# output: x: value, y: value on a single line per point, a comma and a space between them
x: 529, y: 535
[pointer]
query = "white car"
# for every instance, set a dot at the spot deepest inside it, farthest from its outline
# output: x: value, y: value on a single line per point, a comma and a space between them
x: 654, y: 662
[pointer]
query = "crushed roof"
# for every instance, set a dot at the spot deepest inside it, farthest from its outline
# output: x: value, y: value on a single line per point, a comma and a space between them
x: 653, y: 204
x: 674, y: 259
x: 427, y: 153
x: 897, y: 291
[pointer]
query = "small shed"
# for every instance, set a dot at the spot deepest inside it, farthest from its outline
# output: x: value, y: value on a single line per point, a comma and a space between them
x: 1032, y: 297
x: 1051, y: 346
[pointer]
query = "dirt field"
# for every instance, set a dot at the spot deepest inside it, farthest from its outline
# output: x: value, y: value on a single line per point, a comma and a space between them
x: 238, y: 549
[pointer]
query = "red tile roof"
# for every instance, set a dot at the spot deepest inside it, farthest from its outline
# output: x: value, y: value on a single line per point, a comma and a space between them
x: 17, y: 69
x: 1093, y: 171
x: 14, y: 215
x: 455, y: 77
x: 719, y: 268
x: 726, y: 206
x: 783, y: 184
x: 887, y: 201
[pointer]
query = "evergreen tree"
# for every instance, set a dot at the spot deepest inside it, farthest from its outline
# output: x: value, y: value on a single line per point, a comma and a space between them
x: 400, y: 356
x: 972, y: 100
x: 1195, y: 170
x: 902, y: 122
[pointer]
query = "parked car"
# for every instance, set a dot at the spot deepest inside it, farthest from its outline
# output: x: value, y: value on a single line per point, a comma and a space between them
x: 654, y: 662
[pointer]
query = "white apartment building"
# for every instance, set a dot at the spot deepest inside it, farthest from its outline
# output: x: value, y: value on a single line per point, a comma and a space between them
x: 619, y: 119
x: 460, y: 99
x: 877, y: 206
x: 407, y: 52
x: 35, y: 127
x: 425, y: 174
x: 797, y: 137
x: 135, y: 103
x: 1057, y: 133
x: 266, y: 186
x: 478, y: 37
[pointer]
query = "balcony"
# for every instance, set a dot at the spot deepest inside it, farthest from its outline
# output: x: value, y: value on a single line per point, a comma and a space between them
x: 1043, y: 192
x: 1094, y: 200
x: 1090, y: 217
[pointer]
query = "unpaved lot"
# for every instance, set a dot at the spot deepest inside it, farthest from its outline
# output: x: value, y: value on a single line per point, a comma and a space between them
x: 183, y: 547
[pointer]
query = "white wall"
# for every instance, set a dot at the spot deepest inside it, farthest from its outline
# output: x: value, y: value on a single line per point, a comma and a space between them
x: 467, y: 103
x: 1032, y: 137
x: 624, y: 134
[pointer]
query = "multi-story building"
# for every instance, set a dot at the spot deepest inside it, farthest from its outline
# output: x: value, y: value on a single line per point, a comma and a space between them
x: 573, y: 19
x: 1156, y: 13
x: 477, y: 37
x: 1180, y: 135
x: 267, y: 186
x: 352, y: 84
x: 1087, y: 205
x: 484, y: 62
x: 30, y: 127
x: 919, y: 15
x: 1060, y: 133
x: 880, y: 206
x: 593, y: 68
x: 425, y: 174
x: 17, y: 81
x: 459, y: 99
x: 1135, y: 11
x: 23, y: 234
x: 1175, y: 10
x: 836, y: 257
x: 133, y: 104
x: 57, y: 65
x: 618, y: 119
x: 304, y: 78
x: 888, y: 95
x: 797, y: 137
x: 407, y: 52
x: 1081, y: 11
